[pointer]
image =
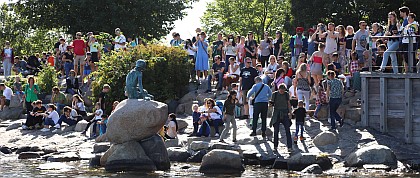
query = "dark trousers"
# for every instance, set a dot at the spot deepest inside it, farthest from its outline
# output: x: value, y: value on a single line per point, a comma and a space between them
x: 68, y: 121
x: 260, y: 108
x: 406, y: 56
x: 286, y: 122
x: 195, y: 127
x: 32, y: 120
x: 219, y: 78
x: 334, y: 116
x: 216, y: 123
x: 94, y: 122
x: 264, y: 60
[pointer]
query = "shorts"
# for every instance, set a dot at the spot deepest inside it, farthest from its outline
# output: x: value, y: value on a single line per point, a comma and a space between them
x: 7, y: 102
x: 95, y: 57
x: 86, y: 72
x: 244, y: 96
x: 80, y: 58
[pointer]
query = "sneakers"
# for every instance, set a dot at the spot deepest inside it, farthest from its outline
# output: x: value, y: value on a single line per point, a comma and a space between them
x: 379, y: 70
x: 45, y: 130
x: 216, y: 135
x: 24, y: 127
x: 253, y: 134
x: 57, y: 126
x: 222, y: 141
x: 301, y: 138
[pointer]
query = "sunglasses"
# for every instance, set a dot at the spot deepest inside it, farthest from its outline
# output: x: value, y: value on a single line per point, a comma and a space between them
x: 249, y: 62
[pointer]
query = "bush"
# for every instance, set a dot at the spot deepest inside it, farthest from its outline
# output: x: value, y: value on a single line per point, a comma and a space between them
x: 47, y: 79
x: 166, y: 76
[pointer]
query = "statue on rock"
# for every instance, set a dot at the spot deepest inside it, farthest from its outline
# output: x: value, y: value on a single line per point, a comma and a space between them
x: 134, y: 85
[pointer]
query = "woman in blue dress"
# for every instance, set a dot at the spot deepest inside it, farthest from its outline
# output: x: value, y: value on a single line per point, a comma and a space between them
x: 202, y: 61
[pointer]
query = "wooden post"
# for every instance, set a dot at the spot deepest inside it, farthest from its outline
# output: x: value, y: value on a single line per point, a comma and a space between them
x: 408, y: 110
x: 365, y: 99
x: 383, y: 118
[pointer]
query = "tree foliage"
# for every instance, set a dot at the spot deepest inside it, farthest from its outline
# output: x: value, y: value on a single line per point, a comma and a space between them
x: 239, y: 17
x: 145, y: 18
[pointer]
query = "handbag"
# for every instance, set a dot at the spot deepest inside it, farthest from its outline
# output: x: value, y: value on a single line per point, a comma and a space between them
x: 253, y: 100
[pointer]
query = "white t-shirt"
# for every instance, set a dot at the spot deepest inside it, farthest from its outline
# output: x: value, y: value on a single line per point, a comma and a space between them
x: 216, y: 115
x: 331, y: 44
x: 119, y: 39
x: 81, y: 106
x: 62, y: 48
x: 230, y: 50
x: 190, y: 51
x: 171, y: 129
x: 98, y: 114
x: 73, y: 114
x: 8, y: 93
x: 54, y: 116
x: 238, y: 70
x: 272, y: 67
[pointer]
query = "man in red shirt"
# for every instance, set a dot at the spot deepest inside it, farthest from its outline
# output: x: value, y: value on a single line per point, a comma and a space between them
x: 79, y: 53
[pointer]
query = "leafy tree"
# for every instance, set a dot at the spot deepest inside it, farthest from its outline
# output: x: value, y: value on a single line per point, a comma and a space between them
x: 146, y: 18
x: 239, y: 17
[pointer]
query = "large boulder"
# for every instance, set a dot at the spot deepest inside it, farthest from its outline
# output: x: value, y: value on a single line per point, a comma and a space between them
x: 325, y: 138
x: 222, y: 162
x: 156, y: 150
x: 199, y: 145
x: 101, y: 147
x: 128, y: 156
x: 172, y: 105
x: 178, y: 154
x: 11, y: 113
x: 64, y: 157
x: 172, y: 143
x: 29, y: 155
x: 13, y: 126
x: 323, y: 112
x: 300, y: 161
x: 189, y: 97
x: 185, y: 108
x: 197, y: 157
x: 375, y: 154
x: 136, y: 119
x: 81, y: 125
x: 182, y: 125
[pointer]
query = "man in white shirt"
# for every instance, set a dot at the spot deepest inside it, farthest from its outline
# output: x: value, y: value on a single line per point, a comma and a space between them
x: 7, y: 96
x: 119, y: 41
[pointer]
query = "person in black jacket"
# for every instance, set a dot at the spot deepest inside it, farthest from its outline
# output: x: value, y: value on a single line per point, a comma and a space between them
x: 72, y: 83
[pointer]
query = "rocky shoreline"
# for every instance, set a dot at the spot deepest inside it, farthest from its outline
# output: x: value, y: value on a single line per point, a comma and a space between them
x: 351, y: 150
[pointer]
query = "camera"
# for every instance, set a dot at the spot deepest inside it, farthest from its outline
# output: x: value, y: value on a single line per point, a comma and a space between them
x: 323, y: 27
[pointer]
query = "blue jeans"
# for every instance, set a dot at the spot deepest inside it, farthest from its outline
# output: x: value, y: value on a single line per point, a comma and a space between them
x: 49, y: 121
x: 219, y: 81
x: 102, y: 129
x: 286, y: 122
x: 293, y: 62
x: 216, y: 124
x: 302, y: 128
x: 334, y: 116
x: 67, y: 67
x: 59, y: 107
x: 391, y: 51
x: 318, y: 108
x: 66, y: 120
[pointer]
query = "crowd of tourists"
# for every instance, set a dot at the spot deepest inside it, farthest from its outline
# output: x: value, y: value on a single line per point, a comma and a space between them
x: 324, y: 63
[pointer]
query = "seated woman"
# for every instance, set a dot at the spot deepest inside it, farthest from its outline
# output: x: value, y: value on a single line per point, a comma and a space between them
x: 214, y: 115
x: 34, y: 118
x: 172, y: 127
x: 270, y: 70
x: 69, y: 117
x: 232, y: 76
x: 79, y: 105
x: 51, y: 119
x: 72, y: 83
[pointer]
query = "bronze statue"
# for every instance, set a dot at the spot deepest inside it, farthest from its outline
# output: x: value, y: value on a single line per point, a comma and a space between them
x: 134, y: 85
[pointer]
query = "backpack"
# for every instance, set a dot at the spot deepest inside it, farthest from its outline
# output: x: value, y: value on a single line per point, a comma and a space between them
x: 220, y: 105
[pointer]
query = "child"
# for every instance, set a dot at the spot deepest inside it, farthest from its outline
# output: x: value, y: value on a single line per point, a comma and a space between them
x: 102, y: 124
x: 300, y: 114
x: 196, y: 118
x: 321, y: 98
x: 204, y: 130
x: 172, y: 127
x: 87, y: 67
x: 17, y: 86
x: 354, y: 67
x: 98, y: 117
x: 238, y: 96
x: 102, y: 96
x: 337, y: 64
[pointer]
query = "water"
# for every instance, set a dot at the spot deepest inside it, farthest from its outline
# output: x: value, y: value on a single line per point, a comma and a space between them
x: 11, y: 167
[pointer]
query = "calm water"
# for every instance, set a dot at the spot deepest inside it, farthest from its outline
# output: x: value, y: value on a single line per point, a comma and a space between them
x: 11, y: 167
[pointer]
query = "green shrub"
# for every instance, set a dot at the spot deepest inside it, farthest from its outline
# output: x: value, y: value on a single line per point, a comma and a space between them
x: 47, y: 79
x: 166, y: 76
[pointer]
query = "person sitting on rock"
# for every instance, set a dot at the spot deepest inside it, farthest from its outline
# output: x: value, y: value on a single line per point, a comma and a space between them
x: 213, y: 113
x: 94, y: 121
x: 79, y: 105
x: 204, y: 130
x: 58, y: 98
x: 7, y: 96
x: 51, y: 118
x: 70, y: 117
x: 196, y: 118
x: 72, y: 83
x: 34, y: 118
x: 172, y: 127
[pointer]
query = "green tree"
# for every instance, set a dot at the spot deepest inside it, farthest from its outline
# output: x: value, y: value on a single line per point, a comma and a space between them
x: 146, y: 18
x: 239, y: 17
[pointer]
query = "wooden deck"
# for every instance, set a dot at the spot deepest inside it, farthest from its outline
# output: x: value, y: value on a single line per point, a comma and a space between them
x: 391, y: 104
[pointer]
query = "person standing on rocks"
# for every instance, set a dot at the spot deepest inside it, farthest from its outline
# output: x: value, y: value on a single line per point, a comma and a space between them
x: 229, y: 115
x: 261, y: 95
x: 335, y: 91
x: 281, y: 115
x: 31, y: 94
x: 246, y: 81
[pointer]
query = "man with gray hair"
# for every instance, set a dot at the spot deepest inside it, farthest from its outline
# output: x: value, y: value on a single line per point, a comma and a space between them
x: 261, y: 94
x: 119, y: 40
